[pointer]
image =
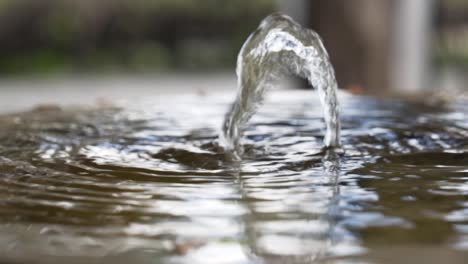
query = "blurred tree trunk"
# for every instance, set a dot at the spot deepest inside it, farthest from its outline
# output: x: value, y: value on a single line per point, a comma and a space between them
x: 357, y: 36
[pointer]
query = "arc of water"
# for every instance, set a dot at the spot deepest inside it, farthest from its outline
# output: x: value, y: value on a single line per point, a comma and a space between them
x: 280, y: 46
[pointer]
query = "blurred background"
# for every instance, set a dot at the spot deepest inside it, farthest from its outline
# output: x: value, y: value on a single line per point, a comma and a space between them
x: 376, y: 46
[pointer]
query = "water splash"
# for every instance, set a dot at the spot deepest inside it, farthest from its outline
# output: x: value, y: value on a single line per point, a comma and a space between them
x: 280, y: 46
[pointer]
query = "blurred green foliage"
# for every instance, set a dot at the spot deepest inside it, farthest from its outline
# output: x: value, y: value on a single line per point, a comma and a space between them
x: 60, y: 36
x: 451, y: 45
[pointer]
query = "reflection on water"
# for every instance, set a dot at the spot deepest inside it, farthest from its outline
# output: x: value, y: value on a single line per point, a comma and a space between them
x: 149, y: 183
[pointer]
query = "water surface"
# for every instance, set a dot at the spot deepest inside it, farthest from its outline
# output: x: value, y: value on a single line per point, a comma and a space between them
x: 147, y: 182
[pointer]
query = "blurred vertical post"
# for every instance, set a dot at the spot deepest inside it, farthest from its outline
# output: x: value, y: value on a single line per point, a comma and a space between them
x: 412, y: 49
x: 356, y: 35
x: 297, y: 9
x: 376, y: 46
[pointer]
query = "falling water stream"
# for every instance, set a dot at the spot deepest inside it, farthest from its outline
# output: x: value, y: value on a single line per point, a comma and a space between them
x: 280, y: 46
x: 147, y: 182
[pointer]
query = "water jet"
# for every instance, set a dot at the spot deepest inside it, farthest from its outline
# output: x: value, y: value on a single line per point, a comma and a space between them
x: 280, y: 46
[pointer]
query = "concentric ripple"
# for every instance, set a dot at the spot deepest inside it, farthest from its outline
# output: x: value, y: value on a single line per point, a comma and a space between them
x: 148, y: 181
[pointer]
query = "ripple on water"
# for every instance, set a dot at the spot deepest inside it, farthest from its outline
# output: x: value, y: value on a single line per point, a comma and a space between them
x: 143, y: 182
